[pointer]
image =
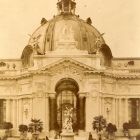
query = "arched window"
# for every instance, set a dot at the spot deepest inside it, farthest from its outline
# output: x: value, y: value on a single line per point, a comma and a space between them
x: 106, y: 55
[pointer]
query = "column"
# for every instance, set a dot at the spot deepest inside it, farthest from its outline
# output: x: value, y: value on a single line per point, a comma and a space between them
x: 130, y: 110
x: 20, y: 112
x: 53, y: 113
x: 126, y: 110
x: 47, y: 113
x: 102, y: 104
x: 14, y: 116
x: 117, y: 113
x: 17, y: 113
x: 137, y: 106
x: 87, y: 114
x: 91, y: 110
x: 31, y: 107
x: 120, y: 113
x: 134, y: 110
x: 81, y: 113
x: 8, y: 110
x: 113, y: 111
x: 139, y: 111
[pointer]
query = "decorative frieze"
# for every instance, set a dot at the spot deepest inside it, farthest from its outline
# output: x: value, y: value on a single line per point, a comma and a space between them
x: 26, y: 110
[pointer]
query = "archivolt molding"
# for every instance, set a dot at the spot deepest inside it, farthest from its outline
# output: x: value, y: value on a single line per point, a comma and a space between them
x: 55, y: 79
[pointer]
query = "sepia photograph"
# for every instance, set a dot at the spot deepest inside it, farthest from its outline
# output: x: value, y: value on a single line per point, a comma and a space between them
x: 70, y: 70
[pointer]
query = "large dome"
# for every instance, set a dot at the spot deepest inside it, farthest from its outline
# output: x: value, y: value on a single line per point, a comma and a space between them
x: 66, y: 33
x: 66, y: 28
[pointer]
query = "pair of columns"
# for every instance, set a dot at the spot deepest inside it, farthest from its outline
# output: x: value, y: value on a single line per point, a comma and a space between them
x: 12, y: 110
x: 80, y: 113
x: 121, y: 111
x: 15, y: 112
x: 117, y: 111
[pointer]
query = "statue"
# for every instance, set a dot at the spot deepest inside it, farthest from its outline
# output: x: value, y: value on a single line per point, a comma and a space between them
x: 67, y: 125
x: 98, y: 42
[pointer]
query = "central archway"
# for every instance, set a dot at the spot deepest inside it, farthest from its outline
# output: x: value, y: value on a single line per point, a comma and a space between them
x: 67, y: 98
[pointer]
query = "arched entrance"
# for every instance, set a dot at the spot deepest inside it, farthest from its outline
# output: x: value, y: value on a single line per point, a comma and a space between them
x: 67, y: 99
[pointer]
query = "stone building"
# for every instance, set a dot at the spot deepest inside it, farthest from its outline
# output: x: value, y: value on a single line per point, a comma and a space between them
x: 68, y: 64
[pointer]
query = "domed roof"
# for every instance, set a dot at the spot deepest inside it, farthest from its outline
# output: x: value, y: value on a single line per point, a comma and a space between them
x: 66, y: 33
x: 66, y: 28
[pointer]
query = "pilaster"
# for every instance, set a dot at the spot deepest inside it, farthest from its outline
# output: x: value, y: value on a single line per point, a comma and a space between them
x: 102, y: 107
x: 8, y: 110
x: 20, y: 114
x: 116, y: 113
x: 120, y: 113
x: 14, y: 113
x: 89, y: 113
x: 113, y: 111
x: 47, y: 113
x: 53, y: 111
x: 126, y: 110
x: 81, y: 112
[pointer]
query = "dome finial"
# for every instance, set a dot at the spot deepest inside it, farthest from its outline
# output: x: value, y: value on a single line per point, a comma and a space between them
x: 66, y: 6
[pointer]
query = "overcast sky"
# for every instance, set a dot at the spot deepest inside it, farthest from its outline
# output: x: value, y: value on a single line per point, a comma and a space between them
x: 118, y: 19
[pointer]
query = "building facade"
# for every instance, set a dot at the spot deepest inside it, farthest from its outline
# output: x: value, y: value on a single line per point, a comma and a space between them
x: 67, y: 64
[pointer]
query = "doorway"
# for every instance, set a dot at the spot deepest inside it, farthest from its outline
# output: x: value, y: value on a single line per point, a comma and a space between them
x: 67, y: 99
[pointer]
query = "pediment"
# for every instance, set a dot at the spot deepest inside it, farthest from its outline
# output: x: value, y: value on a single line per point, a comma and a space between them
x: 67, y: 64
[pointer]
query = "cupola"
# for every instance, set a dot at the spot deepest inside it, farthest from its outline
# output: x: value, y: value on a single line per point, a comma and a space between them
x: 66, y: 6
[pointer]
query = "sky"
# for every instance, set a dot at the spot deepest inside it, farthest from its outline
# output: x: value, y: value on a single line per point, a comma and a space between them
x: 118, y: 19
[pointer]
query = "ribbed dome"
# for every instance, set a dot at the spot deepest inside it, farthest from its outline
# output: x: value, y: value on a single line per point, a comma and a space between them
x: 66, y: 28
x: 66, y: 34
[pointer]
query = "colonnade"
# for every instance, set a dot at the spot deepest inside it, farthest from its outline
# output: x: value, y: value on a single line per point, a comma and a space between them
x: 116, y: 110
x: 17, y: 112
x: 120, y: 109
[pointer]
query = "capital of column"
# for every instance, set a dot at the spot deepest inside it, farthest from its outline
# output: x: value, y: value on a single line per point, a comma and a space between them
x: 82, y: 95
x: 122, y: 97
x: 52, y: 95
x: 46, y: 94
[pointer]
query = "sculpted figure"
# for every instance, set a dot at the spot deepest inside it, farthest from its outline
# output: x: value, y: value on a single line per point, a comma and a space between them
x: 67, y: 125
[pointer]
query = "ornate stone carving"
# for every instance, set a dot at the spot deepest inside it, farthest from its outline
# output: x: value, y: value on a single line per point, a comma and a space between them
x: 66, y: 70
x: 26, y: 109
x: 108, y: 108
x: 67, y: 124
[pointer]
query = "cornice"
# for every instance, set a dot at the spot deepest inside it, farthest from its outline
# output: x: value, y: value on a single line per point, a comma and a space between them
x: 122, y: 76
x: 126, y: 58
x: 67, y: 62
x: 112, y: 75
